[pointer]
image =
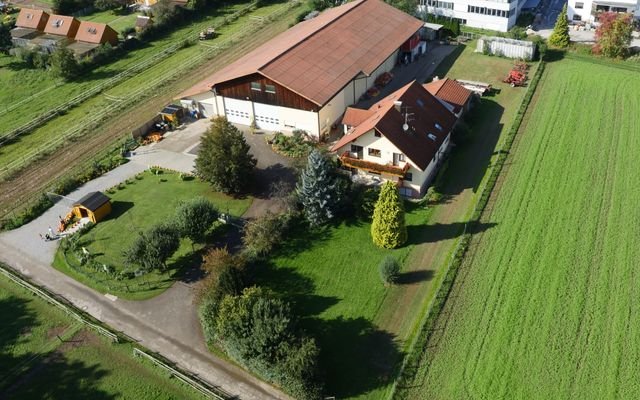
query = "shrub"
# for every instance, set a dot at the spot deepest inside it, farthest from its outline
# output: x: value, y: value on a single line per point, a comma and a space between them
x: 389, y: 270
x: 262, y: 234
x: 295, y: 146
x: 195, y: 217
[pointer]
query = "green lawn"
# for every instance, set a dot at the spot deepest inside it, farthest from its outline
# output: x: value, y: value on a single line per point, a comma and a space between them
x: 141, y: 203
x: 332, y: 278
x: 117, y: 20
x: 546, y: 304
x: 35, y: 364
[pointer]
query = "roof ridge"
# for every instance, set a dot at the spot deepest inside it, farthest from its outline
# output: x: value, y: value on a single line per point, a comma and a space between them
x: 321, y: 28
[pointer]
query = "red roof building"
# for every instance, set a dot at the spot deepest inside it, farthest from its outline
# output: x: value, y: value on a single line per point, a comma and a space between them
x: 403, y: 138
x: 451, y: 92
x: 305, y: 77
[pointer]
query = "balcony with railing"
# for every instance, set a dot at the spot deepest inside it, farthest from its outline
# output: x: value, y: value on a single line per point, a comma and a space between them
x: 348, y: 160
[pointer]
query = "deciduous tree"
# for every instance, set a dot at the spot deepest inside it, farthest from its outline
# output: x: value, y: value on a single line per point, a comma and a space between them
x: 318, y: 189
x: 224, y: 159
x: 389, y: 269
x: 388, y: 228
x: 151, y: 249
x: 64, y: 64
x: 613, y: 36
x: 560, y: 36
x: 195, y: 217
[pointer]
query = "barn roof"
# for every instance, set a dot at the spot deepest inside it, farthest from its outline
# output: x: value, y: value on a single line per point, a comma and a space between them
x: 93, y: 32
x: 62, y: 25
x: 30, y: 18
x: 318, y: 57
x: 429, y: 123
x: 450, y: 91
x: 92, y: 201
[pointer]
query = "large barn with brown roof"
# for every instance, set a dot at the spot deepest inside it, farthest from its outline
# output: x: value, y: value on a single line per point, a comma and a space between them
x: 307, y: 76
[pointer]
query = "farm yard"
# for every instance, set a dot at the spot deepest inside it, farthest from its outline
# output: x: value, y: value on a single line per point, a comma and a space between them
x: 46, y: 354
x: 138, y: 204
x: 39, y: 155
x: 545, y: 304
x: 363, y: 327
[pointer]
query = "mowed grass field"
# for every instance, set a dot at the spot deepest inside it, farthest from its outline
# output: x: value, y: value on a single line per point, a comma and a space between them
x: 45, y: 354
x: 546, y: 304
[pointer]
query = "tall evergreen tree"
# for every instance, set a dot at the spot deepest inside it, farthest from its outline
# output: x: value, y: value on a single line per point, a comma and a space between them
x: 318, y: 189
x: 388, y: 229
x: 224, y: 159
x: 560, y: 36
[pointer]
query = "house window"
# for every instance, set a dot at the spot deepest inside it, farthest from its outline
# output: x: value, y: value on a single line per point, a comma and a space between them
x: 376, y: 134
x: 400, y: 157
x: 270, y: 88
x: 256, y: 86
x: 580, y: 6
x: 407, y: 192
x: 408, y: 177
x: 577, y: 17
x: 374, y: 152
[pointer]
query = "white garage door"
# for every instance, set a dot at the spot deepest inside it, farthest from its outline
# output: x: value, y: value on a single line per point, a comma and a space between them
x: 267, y: 117
x: 238, y: 111
x: 207, y: 110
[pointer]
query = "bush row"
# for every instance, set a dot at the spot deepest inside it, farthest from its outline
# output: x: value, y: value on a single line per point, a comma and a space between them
x: 415, y: 358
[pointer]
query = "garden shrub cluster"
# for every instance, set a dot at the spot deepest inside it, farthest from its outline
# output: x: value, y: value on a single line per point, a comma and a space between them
x: 295, y: 146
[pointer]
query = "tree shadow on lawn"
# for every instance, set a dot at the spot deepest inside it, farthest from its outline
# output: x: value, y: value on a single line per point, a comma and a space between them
x: 411, y: 277
x: 445, y: 65
x: 434, y: 233
x: 64, y: 379
x: 471, y: 157
x: 355, y: 356
x: 267, y: 180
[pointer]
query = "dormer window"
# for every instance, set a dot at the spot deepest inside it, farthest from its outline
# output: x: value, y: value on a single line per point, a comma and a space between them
x: 92, y: 30
x: 57, y: 23
x: 438, y: 127
x: 29, y: 16
x: 432, y: 136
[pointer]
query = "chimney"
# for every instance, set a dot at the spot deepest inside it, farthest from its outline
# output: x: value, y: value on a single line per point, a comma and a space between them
x: 398, y: 105
x: 435, y: 79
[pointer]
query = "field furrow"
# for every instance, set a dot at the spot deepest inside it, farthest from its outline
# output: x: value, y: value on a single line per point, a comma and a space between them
x: 545, y: 305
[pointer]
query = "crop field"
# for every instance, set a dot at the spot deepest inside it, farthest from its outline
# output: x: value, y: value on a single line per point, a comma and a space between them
x: 45, y: 354
x: 28, y: 147
x: 546, y: 304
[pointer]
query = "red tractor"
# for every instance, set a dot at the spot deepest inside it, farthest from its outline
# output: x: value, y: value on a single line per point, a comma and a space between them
x: 515, y: 78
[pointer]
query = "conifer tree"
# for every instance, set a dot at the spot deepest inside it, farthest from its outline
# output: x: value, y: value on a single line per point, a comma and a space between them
x: 388, y: 229
x: 224, y: 159
x: 560, y: 36
x: 318, y: 189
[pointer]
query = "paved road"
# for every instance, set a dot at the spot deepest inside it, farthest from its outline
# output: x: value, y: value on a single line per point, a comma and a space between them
x: 167, y: 324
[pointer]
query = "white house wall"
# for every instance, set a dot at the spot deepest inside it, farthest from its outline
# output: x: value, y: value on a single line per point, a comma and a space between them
x: 420, y: 179
x: 461, y: 11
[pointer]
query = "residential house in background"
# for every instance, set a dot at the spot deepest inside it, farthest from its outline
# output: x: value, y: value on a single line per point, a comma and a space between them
x: 307, y: 76
x: 29, y: 24
x: 90, y: 36
x: 452, y: 93
x: 402, y: 138
x: 143, y: 22
x: 60, y: 30
x: 587, y: 10
x: 497, y: 15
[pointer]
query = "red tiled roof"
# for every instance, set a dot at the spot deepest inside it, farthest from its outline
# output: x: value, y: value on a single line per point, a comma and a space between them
x: 450, y: 91
x: 62, y: 25
x: 427, y: 114
x: 30, y: 18
x: 95, y: 32
x: 318, y: 57
x: 355, y: 116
